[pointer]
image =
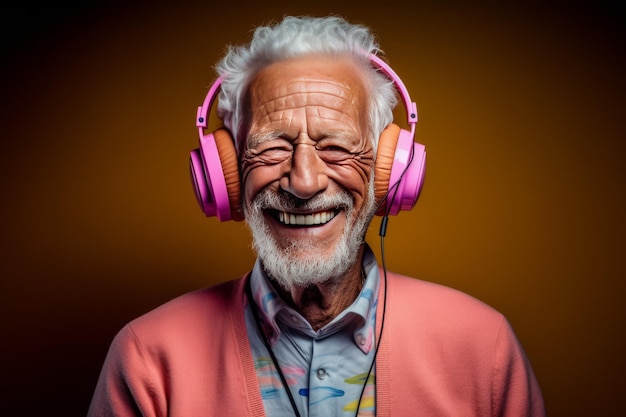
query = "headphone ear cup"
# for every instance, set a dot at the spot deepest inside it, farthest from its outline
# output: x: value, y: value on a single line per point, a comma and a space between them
x: 230, y: 168
x: 399, y: 171
x: 384, y: 162
x: 215, y: 176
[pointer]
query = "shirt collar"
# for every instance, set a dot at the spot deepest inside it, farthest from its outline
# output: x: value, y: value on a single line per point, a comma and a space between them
x: 272, y: 309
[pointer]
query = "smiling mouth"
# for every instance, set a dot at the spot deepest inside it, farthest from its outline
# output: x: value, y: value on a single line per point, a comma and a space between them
x: 312, y: 219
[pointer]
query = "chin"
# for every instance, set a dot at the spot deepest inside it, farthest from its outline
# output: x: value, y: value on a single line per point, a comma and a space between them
x: 303, y: 256
x: 305, y: 264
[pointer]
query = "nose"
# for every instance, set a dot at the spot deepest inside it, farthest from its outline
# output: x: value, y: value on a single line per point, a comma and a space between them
x: 307, y: 175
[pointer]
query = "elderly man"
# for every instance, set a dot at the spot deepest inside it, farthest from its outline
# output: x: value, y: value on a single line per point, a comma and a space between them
x: 308, y: 155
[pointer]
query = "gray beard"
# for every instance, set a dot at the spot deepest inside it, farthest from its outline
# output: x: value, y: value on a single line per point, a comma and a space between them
x: 303, y: 262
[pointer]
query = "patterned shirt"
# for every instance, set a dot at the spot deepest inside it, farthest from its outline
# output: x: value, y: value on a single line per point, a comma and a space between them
x: 326, y: 370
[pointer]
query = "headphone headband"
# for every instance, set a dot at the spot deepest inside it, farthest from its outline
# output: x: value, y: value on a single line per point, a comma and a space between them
x: 203, y: 116
x: 410, y: 106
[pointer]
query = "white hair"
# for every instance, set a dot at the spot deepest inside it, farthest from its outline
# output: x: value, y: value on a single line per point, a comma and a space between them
x: 299, y: 36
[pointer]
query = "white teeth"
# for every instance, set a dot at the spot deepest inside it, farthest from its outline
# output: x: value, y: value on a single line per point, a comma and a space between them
x: 306, y: 219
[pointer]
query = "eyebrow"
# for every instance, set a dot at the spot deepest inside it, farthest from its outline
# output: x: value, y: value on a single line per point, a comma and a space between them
x: 256, y: 139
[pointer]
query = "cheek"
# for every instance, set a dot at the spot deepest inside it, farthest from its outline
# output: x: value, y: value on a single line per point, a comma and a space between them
x: 258, y: 178
x: 353, y: 176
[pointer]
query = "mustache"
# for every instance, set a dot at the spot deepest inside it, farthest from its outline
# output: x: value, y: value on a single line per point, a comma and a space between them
x: 283, y: 201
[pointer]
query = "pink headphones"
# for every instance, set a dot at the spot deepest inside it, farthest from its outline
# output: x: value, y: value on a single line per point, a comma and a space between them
x: 398, y: 172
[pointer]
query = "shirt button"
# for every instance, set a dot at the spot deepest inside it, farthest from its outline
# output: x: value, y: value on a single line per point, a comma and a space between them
x: 295, y: 319
x: 361, y: 340
x: 321, y: 373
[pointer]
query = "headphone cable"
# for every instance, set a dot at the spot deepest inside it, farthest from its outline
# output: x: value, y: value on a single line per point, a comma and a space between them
x: 253, y: 307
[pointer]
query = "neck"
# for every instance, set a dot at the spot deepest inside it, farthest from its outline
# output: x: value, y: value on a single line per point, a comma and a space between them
x: 320, y: 303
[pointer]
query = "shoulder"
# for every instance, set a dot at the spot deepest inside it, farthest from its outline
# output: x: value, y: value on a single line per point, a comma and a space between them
x: 443, y: 343
x: 439, y: 306
x: 192, y: 312
x: 432, y: 294
x: 436, y: 321
x: 164, y: 356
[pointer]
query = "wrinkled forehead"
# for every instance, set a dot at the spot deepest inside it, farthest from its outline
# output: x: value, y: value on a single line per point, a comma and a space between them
x: 326, y: 89
x: 304, y: 90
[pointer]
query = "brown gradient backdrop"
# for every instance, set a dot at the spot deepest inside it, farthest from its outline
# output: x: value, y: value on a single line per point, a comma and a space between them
x: 521, y: 110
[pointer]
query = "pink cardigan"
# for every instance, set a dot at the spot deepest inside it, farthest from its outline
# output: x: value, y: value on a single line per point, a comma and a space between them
x: 443, y: 353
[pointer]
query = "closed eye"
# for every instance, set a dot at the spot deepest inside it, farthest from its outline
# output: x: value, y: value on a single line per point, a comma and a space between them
x: 334, y: 148
x: 274, y: 147
x: 334, y: 154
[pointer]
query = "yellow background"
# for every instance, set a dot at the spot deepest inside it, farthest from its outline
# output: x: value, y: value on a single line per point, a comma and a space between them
x: 521, y: 111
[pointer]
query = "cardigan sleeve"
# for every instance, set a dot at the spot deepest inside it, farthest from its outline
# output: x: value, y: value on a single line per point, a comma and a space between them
x: 516, y: 392
x: 127, y: 385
